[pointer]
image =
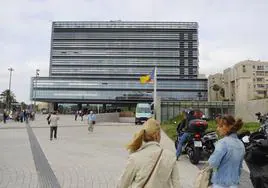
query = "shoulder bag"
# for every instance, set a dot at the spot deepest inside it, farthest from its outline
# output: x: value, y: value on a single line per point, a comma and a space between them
x: 203, y: 178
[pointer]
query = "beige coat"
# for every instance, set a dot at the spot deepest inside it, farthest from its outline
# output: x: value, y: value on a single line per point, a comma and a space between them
x: 141, y: 163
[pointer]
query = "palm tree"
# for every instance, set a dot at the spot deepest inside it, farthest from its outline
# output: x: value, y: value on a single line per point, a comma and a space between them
x: 216, y: 88
x: 7, y: 97
x: 222, y: 92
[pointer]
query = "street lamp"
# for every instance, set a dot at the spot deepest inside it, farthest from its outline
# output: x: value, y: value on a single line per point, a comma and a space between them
x: 9, y: 88
x: 36, y: 75
x: 199, y: 95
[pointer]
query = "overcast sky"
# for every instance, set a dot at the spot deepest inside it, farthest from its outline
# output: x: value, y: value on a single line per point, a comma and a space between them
x: 229, y: 30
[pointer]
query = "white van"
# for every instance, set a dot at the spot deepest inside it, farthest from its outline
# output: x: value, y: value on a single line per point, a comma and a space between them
x: 143, y: 112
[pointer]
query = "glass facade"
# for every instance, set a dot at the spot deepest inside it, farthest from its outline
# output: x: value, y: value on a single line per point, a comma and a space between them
x: 102, y: 61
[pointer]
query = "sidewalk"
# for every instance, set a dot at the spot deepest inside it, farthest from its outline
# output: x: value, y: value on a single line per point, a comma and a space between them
x: 65, y: 121
x: 78, y: 159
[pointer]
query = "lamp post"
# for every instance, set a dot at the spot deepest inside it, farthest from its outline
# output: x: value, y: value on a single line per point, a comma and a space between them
x: 36, y: 75
x: 10, y: 69
x: 199, y: 95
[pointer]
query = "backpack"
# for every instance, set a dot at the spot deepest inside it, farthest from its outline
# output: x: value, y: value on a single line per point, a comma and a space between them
x: 48, y: 119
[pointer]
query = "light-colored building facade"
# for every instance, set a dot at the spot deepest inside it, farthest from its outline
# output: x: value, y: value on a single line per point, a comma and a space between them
x: 215, y: 81
x: 247, y: 80
x: 243, y: 83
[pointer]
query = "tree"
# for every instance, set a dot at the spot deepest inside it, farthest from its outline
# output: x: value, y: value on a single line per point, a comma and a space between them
x: 23, y: 105
x: 8, y: 97
x: 222, y: 92
x: 216, y: 88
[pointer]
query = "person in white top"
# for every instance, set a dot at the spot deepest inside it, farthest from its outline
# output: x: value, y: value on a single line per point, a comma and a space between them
x: 148, y: 164
x: 91, y: 120
x: 53, y: 125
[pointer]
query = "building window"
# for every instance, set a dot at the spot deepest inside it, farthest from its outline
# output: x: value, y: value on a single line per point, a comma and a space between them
x: 253, y: 66
x: 260, y: 73
x: 260, y: 79
x: 260, y: 92
x: 194, y: 36
x: 185, y: 53
x: 244, y: 68
x: 195, y: 62
x: 195, y: 45
x: 182, y: 71
x: 260, y: 85
x: 185, y: 36
x: 186, y: 62
x: 195, y: 53
x: 260, y: 67
x: 185, y: 44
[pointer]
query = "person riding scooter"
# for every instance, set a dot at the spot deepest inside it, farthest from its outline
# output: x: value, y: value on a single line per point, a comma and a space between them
x: 183, y: 126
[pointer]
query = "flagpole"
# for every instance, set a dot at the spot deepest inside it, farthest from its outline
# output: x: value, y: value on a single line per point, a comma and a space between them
x: 155, y: 94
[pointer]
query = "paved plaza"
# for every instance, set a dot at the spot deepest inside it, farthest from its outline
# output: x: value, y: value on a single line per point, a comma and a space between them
x: 77, y: 159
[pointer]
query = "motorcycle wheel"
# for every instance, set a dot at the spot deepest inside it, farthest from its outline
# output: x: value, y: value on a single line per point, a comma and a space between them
x: 211, y: 147
x: 194, y: 154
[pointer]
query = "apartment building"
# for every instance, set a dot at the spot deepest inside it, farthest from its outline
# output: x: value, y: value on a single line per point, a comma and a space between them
x: 215, y: 87
x: 244, y: 81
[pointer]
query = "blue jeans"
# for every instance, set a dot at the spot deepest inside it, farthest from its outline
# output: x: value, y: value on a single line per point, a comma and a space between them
x: 219, y: 186
x: 182, y: 140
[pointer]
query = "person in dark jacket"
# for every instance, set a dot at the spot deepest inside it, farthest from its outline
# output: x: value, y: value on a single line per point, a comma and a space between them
x: 183, y: 126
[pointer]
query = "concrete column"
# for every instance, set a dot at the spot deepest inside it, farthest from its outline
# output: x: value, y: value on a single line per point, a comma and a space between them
x: 104, y: 107
x: 56, y: 106
x: 79, y: 106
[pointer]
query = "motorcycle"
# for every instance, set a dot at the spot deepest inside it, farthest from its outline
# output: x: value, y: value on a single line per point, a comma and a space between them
x: 199, y: 143
x: 256, y: 157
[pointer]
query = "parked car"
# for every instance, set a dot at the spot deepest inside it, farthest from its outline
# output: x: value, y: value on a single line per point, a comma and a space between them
x: 44, y: 111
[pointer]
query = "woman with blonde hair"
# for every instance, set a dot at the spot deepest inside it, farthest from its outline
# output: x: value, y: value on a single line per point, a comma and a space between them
x: 229, y: 153
x: 148, y: 164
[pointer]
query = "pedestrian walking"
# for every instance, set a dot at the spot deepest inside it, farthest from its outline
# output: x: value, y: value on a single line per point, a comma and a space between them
x: 81, y: 114
x: 21, y: 116
x: 91, y: 120
x: 228, y: 156
x: 26, y: 116
x: 5, y: 115
x: 75, y: 115
x: 148, y: 164
x: 54, y: 118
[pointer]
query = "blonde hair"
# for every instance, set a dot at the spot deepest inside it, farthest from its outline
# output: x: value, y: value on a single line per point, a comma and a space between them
x: 146, y: 134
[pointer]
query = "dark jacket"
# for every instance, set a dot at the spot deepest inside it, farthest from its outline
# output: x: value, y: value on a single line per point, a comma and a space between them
x: 181, y: 125
x: 184, y: 124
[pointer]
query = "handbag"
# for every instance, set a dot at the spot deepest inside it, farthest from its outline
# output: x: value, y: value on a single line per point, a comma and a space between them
x: 203, y: 178
x: 148, y: 178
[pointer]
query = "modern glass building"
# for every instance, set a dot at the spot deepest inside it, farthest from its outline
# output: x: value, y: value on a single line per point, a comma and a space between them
x: 101, y: 62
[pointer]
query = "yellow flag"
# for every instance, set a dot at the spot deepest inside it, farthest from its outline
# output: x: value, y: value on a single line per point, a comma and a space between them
x: 145, y: 79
